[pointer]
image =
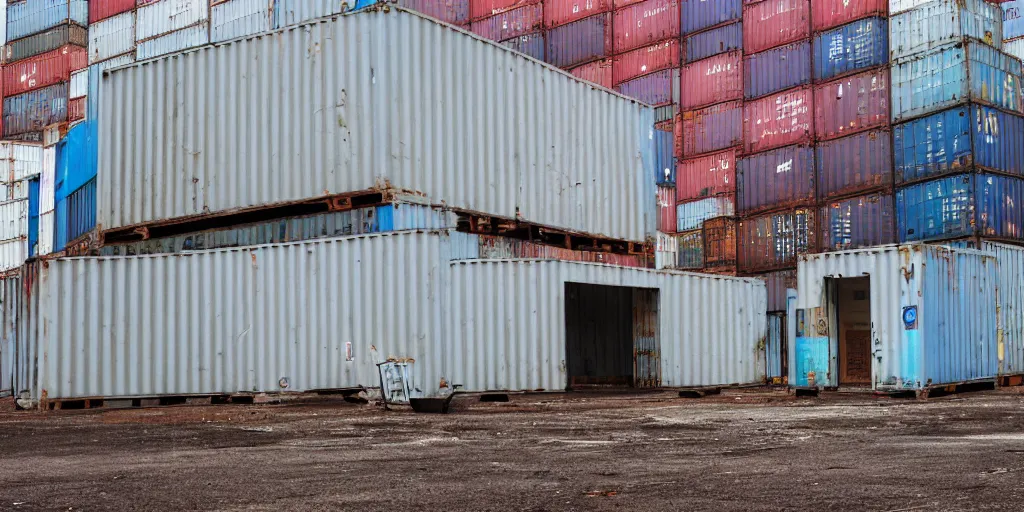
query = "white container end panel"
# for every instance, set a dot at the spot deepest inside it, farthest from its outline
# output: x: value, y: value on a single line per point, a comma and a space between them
x: 188, y: 37
x: 166, y: 16
x: 239, y: 18
x: 109, y: 38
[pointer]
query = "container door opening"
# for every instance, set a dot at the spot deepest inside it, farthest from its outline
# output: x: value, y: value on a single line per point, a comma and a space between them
x: 853, y: 317
x: 611, y: 336
x: 777, y: 349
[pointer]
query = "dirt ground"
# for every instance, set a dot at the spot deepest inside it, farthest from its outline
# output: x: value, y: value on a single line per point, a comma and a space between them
x: 742, y: 450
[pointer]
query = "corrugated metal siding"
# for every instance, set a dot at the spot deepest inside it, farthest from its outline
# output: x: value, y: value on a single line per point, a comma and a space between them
x: 45, y: 41
x: 857, y: 222
x: 32, y: 111
x: 778, y: 120
x: 455, y: 12
x: 79, y: 87
x: 691, y: 250
x: 720, y: 241
x: 112, y: 37
x: 293, y: 12
x: 479, y: 9
x: 190, y: 37
x: 860, y: 45
x: 999, y: 211
x: 165, y: 16
x: 598, y: 72
x: 238, y: 18
x: 526, y: 349
x: 706, y: 176
x: 47, y: 179
x: 956, y: 335
x: 826, y: 14
x: 719, y: 40
x: 774, y: 23
x: 531, y: 45
x: 629, y: 65
x: 858, y: 162
x: 712, y: 129
x: 20, y: 160
x: 503, y: 248
x: 645, y: 23
x: 777, y: 69
x: 14, y: 219
x: 510, y: 24
x: 103, y: 9
x: 1013, y: 19
x: 937, y: 209
x: 369, y: 137
x: 953, y: 75
x: 659, y: 88
x: 10, y: 307
x: 692, y: 215
x: 667, y: 209
x: 933, y: 24
x: 43, y: 70
x: 774, y: 241
x: 1011, y: 304
x: 30, y: 16
x: 778, y: 283
x: 698, y: 15
x: 45, y: 233
x: 713, y: 80
x: 664, y: 158
x: 781, y: 177
x: 958, y: 140
x: 666, y: 251
x: 580, y: 41
x: 13, y: 253
x: 851, y: 104
x: 567, y: 11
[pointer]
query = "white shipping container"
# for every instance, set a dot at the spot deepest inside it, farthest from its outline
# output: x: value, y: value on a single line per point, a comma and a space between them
x: 1011, y: 306
x: 14, y: 190
x: 79, y: 84
x: 47, y: 192
x: 166, y: 16
x: 13, y: 220
x: 293, y: 12
x: 21, y: 160
x: 10, y: 304
x: 13, y: 253
x: 321, y: 314
x: 238, y: 18
x: 116, y: 62
x: 464, y: 122
x: 189, y: 37
x: 933, y: 24
x: 896, y: 317
x: 666, y: 252
x: 111, y: 37
x: 45, y: 241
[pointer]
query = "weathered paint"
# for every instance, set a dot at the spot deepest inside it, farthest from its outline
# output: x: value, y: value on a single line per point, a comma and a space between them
x: 1011, y: 303
x: 31, y: 16
x: 188, y: 37
x: 598, y: 72
x: 79, y: 87
x: 693, y: 214
x: 854, y: 163
x: 20, y: 160
x: 667, y: 209
x: 112, y: 37
x: 531, y: 45
x: 852, y: 104
x: 632, y: 64
x: 43, y: 42
x: 720, y: 242
x: 706, y: 176
x: 658, y: 88
x: 772, y: 23
x: 958, y: 140
x: 961, y: 205
x: 45, y: 241
x: 713, y: 80
x: 952, y: 75
x: 508, y: 24
x: 777, y: 178
x: 952, y: 338
x: 777, y: 283
x: 74, y: 215
x: 580, y: 41
x: 455, y: 12
x: 714, y: 41
x: 10, y: 306
x: 664, y: 159
x: 826, y: 14
x: 666, y: 251
x: 712, y: 129
x: 698, y: 15
x: 774, y: 241
x: 34, y: 110
x: 1013, y: 19
x: 691, y: 250
x: 294, y: 12
x: 239, y: 18
x: 166, y: 16
x: 645, y: 23
x: 568, y: 11
x: 851, y: 48
x: 591, y: 141
x: 857, y: 222
x: 103, y: 9
x: 480, y: 9
x: 13, y: 253
x: 14, y: 220
x: 43, y: 70
x: 777, y: 69
x: 930, y: 25
x: 778, y: 120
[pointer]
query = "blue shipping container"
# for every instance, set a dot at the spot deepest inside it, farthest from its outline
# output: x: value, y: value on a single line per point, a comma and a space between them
x: 1013, y: 19
x: 776, y: 70
x: 581, y: 41
x: 781, y: 177
x: 858, y: 222
x: 32, y: 111
x: 960, y: 206
x: 958, y: 140
x: 713, y: 42
x: 701, y: 14
x: 664, y: 155
x: 690, y: 216
x: 27, y: 17
x: 855, y: 163
x: 712, y: 129
x: 853, y: 47
x: 74, y: 216
x: 33, y: 216
x: 658, y: 88
x: 1000, y: 206
x: 76, y: 160
x: 530, y: 44
x: 955, y: 74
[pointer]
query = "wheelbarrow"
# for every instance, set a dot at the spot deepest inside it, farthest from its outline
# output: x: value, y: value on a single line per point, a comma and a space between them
x: 438, y: 405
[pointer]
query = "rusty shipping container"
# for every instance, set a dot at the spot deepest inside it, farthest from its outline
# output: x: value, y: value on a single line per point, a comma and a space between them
x: 712, y: 129
x: 720, y: 242
x: 455, y: 12
x: 44, y: 42
x: 774, y: 241
x: 706, y: 176
x: 693, y: 215
x: 774, y: 179
x: 642, y: 61
x: 598, y: 72
x: 645, y: 23
x: 713, y: 80
x: 691, y: 250
x: 826, y: 14
x: 772, y: 23
x: 778, y: 120
x: 509, y: 24
x: 856, y: 163
x: 34, y: 110
x: 777, y: 283
x: 667, y: 209
x: 852, y: 104
x: 560, y: 12
x: 43, y: 70
x: 480, y: 9
x: 858, y: 222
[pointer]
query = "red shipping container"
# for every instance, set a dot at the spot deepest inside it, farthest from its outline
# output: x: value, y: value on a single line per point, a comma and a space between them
x: 510, y: 24
x: 778, y: 120
x: 666, y: 209
x: 712, y: 80
x: 560, y: 12
x: 103, y: 9
x: 480, y: 9
x: 42, y: 70
x: 618, y: 4
x: 706, y: 176
x: 645, y: 23
x: 599, y: 72
x: 76, y: 109
x: 828, y: 14
x: 852, y: 104
x: 649, y: 59
x: 774, y: 23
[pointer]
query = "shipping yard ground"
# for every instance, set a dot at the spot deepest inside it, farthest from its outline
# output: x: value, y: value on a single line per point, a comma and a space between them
x: 742, y: 450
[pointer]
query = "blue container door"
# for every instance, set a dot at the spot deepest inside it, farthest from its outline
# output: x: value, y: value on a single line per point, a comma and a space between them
x: 33, y: 216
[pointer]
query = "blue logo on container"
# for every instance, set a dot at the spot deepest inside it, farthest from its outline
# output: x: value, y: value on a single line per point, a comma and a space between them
x: 910, y: 317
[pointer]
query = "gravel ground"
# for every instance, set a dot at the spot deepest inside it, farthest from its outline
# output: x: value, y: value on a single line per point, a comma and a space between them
x: 742, y: 450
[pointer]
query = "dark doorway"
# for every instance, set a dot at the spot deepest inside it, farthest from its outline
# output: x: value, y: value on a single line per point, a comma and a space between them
x: 853, y: 318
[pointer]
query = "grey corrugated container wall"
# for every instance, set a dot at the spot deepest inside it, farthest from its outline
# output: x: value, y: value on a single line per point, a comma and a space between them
x: 46, y: 41
x: 320, y: 315
x: 389, y: 99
